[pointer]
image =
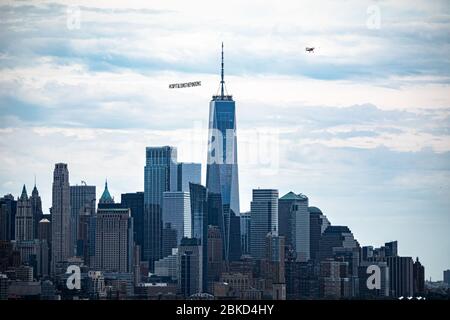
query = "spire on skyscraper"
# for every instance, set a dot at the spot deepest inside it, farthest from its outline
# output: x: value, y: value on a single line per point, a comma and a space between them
x: 106, y: 197
x: 222, y: 81
x: 24, y: 195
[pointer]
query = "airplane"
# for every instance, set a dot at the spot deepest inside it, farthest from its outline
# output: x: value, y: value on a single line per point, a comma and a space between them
x: 309, y: 49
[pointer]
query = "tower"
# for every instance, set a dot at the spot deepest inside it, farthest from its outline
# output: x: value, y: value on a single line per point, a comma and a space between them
x: 61, y: 238
x: 24, y: 217
x: 222, y: 169
x: 160, y: 175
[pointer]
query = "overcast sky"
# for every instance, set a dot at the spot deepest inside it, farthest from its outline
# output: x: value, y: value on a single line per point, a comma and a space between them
x: 361, y: 126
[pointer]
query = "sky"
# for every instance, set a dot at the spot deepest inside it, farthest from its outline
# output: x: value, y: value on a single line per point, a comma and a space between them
x: 361, y: 126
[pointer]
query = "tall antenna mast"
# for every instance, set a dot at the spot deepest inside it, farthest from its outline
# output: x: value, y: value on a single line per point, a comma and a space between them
x: 222, y: 82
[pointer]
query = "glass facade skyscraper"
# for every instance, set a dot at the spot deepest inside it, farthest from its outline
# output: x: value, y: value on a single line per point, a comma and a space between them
x: 222, y: 169
x: 160, y: 175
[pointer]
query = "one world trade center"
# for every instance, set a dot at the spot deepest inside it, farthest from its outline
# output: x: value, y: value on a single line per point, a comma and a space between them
x: 222, y: 171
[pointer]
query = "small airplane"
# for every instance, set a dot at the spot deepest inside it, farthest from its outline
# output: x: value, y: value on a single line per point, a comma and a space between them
x: 309, y: 49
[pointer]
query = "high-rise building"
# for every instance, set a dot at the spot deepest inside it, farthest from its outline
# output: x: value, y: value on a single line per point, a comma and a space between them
x: 61, y: 240
x: 367, y: 292
x: 24, y: 217
x: 418, y: 278
x: 190, y: 267
x: 168, y: 266
x: 446, y: 276
x: 82, y: 202
x: 114, y: 241
x: 199, y: 213
x: 317, y: 226
x: 188, y: 172
x: 169, y: 239
x: 222, y: 169
x: 245, y: 232
x: 214, y: 255
x: 335, y: 237
x: 8, y: 209
x: 300, y: 226
x: 391, y: 248
x: 286, y: 212
x: 264, y: 219
x: 400, y: 276
x: 273, y: 266
x: 176, y: 215
x: 160, y: 176
x: 44, y: 230
x: 135, y: 202
x: 36, y: 209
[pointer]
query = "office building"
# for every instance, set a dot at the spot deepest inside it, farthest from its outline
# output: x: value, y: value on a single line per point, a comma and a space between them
x: 222, y: 169
x: 186, y: 173
x: 8, y: 209
x: 36, y: 209
x: 176, y: 216
x: 114, y: 241
x: 135, y: 202
x: 190, y: 267
x: 317, y: 225
x: 24, y: 218
x: 61, y: 216
x: 264, y: 219
x: 418, y: 278
x: 245, y: 232
x: 401, y: 276
x: 160, y: 175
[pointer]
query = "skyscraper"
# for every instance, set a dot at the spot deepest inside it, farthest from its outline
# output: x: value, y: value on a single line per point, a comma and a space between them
x: 135, y: 202
x: 199, y: 212
x: 294, y: 223
x: 61, y: 239
x: 176, y: 215
x: 400, y: 276
x: 106, y: 201
x: 82, y: 201
x: 335, y: 237
x: 24, y: 217
x: 418, y: 278
x: 114, y: 241
x: 222, y: 168
x: 317, y: 225
x: 8, y: 209
x: 36, y: 209
x: 160, y: 175
x: 245, y: 232
x: 190, y: 267
x: 188, y: 172
x: 264, y: 219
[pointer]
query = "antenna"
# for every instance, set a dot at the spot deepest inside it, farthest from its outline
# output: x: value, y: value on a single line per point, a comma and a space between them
x: 222, y: 82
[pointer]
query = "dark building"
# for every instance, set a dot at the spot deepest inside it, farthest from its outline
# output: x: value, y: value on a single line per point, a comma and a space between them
x: 169, y: 240
x: 36, y: 209
x: 447, y: 276
x: 335, y: 237
x: 199, y: 218
x: 418, y: 278
x: 8, y: 209
x: 190, y: 267
x: 400, y: 276
x: 135, y: 202
x: 82, y: 202
x: 317, y: 225
x: 214, y: 255
x: 302, y: 280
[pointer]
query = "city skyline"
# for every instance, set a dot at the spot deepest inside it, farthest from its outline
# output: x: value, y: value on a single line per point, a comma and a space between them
x: 376, y: 161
